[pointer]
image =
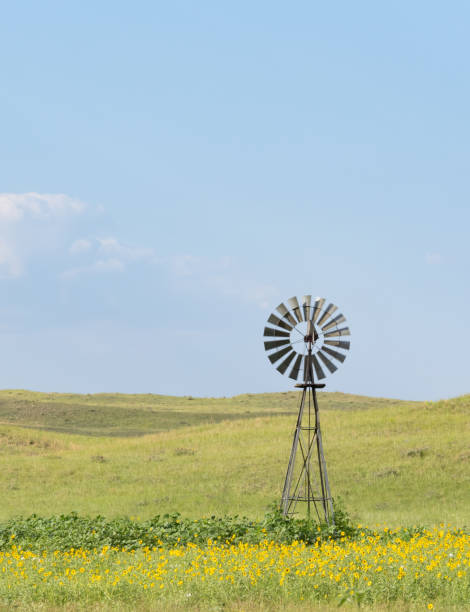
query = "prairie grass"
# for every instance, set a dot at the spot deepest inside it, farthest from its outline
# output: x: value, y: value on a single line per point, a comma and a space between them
x: 391, y: 463
x: 134, y: 415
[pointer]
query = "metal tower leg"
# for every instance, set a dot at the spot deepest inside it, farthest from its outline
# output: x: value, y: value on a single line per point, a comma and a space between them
x: 306, y: 478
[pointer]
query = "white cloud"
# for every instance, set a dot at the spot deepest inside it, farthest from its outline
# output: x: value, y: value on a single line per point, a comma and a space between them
x: 221, y: 276
x: 189, y: 273
x: 112, y: 247
x: 99, y: 266
x: 22, y: 239
x: 245, y: 289
x: 10, y: 264
x: 108, y: 255
x: 80, y: 246
x: 16, y: 206
x: 192, y: 266
x: 105, y: 265
x: 32, y: 224
x: 433, y: 259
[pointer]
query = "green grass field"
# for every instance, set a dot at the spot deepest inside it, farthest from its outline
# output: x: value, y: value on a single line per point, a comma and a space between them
x: 391, y: 462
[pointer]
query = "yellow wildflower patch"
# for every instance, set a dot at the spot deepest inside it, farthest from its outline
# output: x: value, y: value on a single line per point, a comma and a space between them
x: 380, y: 567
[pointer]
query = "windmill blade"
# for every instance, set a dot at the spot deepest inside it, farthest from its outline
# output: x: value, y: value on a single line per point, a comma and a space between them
x: 330, y: 365
x: 318, y: 371
x: 278, y: 354
x: 332, y: 353
x: 282, y: 367
x: 279, y: 322
x: 294, y: 373
x: 336, y: 321
x: 306, y: 301
x: 339, y: 343
x: 286, y: 314
x: 275, y: 344
x: 338, y: 332
x: 308, y: 372
x: 328, y: 312
x: 294, y: 306
x: 317, y: 307
x: 268, y: 331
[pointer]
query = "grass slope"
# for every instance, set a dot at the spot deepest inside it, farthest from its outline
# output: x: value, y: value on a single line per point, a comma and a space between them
x: 134, y: 415
x: 392, y: 462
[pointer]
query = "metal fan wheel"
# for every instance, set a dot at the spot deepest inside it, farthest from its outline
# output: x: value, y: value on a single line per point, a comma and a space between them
x: 292, y: 329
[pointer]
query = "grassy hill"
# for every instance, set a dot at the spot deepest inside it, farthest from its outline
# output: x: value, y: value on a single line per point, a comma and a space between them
x: 392, y: 462
x: 135, y: 415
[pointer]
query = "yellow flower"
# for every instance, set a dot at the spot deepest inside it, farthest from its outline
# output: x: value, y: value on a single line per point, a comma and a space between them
x: 430, y: 606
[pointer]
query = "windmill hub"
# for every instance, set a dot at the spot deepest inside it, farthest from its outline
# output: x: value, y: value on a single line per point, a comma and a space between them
x: 305, y: 336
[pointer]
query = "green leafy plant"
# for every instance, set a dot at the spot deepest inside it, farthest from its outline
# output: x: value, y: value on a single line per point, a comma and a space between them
x: 73, y: 531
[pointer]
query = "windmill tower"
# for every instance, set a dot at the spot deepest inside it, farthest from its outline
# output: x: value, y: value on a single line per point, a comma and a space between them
x: 306, y: 339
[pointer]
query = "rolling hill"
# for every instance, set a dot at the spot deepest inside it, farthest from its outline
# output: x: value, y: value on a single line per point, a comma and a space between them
x: 390, y: 461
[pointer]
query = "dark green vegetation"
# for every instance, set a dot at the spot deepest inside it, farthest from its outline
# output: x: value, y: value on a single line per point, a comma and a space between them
x: 64, y: 532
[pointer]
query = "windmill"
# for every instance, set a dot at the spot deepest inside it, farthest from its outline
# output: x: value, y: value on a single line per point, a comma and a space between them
x: 304, y: 340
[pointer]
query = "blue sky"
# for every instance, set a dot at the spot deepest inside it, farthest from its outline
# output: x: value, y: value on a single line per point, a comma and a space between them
x: 170, y: 172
